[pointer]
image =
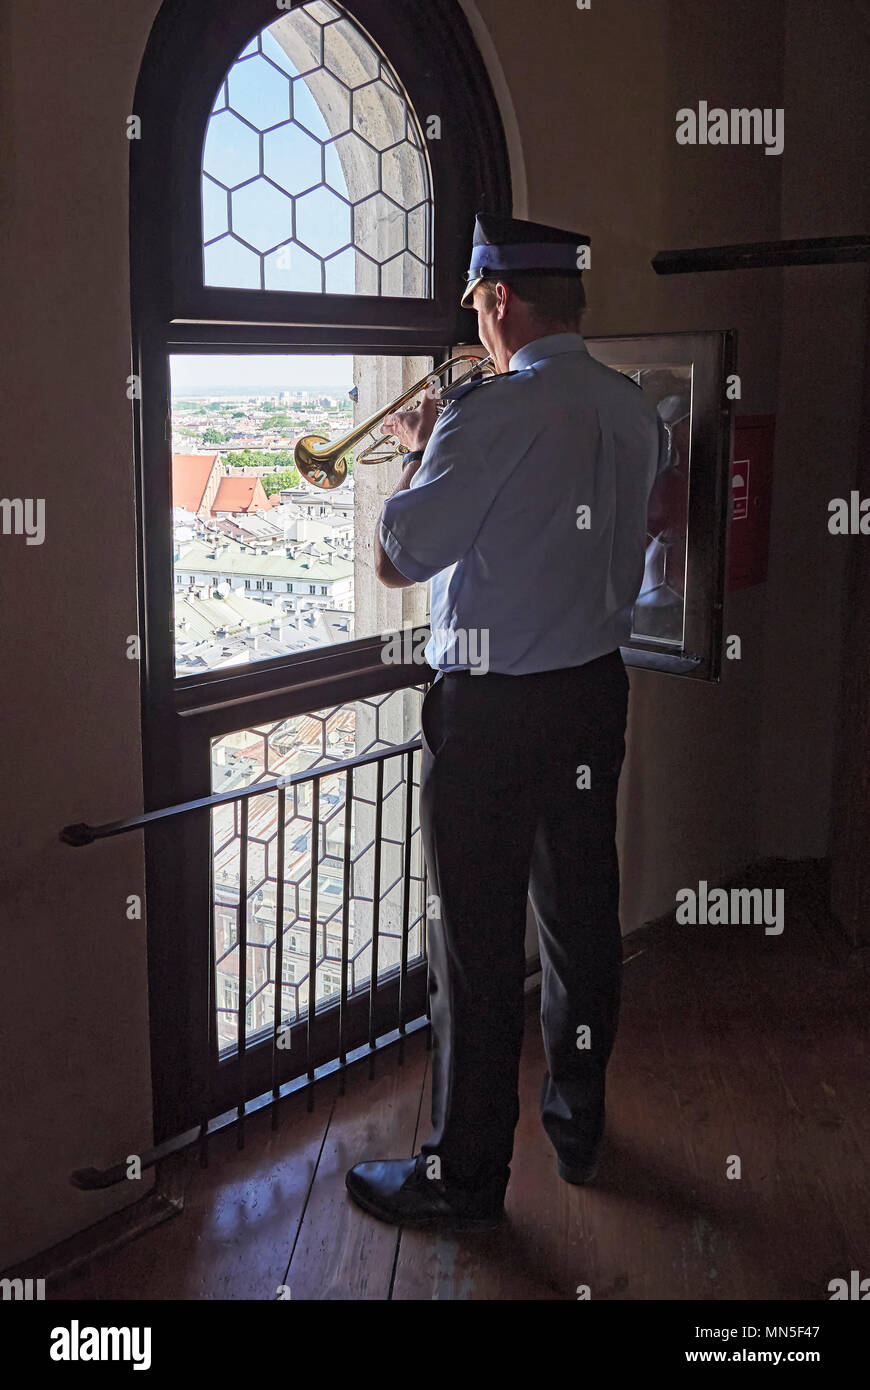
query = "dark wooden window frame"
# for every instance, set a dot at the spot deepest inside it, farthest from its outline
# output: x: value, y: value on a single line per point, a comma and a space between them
x: 191, y: 47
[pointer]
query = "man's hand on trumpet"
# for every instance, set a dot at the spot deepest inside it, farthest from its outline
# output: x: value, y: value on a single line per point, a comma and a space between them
x: 412, y: 428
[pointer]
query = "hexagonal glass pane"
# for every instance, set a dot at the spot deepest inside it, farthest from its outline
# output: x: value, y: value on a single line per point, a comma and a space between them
x: 262, y: 215
x: 322, y: 12
x: 214, y: 210
x: 275, y: 51
x: 412, y: 132
x: 231, y: 152
x: 403, y: 175
x: 368, y: 274
x: 322, y: 221
x: 386, y: 76
x: 379, y: 227
x: 418, y: 231
x: 348, y: 54
x: 228, y: 262
x: 352, y: 167
x: 259, y: 93
x: 292, y: 268
x: 306, y: 113
x: 403, y: 275
x: 256, y: 867
x: 308, y: 735
x: 379, y: 115
x: 332, y: 171
x: 291, y: 158
x: 321, y: 104
x: 341, y: 272
x: 311, y: 107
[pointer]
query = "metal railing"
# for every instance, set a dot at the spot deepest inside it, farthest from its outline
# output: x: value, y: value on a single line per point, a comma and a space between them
x: 82, y: 834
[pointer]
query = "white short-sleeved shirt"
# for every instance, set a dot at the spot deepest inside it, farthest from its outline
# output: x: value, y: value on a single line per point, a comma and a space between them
x: 491, y: 515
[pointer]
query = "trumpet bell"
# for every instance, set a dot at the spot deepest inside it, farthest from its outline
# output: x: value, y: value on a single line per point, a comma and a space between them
x: 323, y: 469
x: 325, y: 463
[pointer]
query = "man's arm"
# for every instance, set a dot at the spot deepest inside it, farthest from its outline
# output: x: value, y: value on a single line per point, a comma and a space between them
x: 384, y: 568
x: 412, y: 428
x: 429, y: 526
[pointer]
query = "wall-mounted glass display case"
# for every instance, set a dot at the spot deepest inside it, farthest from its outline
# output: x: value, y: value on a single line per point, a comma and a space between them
x: 677, y: 620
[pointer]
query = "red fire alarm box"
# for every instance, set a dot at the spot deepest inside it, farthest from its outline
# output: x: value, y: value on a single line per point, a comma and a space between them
x: 751, y: 489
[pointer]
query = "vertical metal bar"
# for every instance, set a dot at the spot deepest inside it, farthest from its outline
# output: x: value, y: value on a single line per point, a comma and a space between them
x: 211, y: 1015
x: 242, y: 1012
x: 425, y: 939
x: 345, y: 925
x: 376, y: 911
x: 424, y: 928
x: 312, y: 936
x: 278, y: 1010
x: 406, y: 897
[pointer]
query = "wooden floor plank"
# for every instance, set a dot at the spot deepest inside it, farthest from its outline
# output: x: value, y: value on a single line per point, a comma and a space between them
x: 341, y: 1253
x: 731, y: 1043
x: 509, y: 1262
x: 234, y: 1237
x: 716, y: 1057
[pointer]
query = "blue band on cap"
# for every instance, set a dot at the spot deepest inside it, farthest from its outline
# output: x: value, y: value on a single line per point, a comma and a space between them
x: 544, y: 255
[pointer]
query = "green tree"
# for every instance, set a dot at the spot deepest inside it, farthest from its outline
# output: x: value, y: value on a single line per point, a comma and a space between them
x: 213, y: 436
x: 273, y: 482
x: 259, y: 458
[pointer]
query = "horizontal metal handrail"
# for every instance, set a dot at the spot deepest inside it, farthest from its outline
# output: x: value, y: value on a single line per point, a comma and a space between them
x: 92, y: 1179
x: 84, y: 834
x: 273, y: 1035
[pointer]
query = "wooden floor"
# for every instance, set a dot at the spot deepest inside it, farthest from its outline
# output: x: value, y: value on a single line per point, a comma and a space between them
x: 731, y: 1044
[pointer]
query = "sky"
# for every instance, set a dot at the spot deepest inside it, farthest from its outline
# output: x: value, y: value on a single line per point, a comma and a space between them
x: 274, y: 190
x: 194, y: 373
x: 261, y: 214
x: 298, y: 155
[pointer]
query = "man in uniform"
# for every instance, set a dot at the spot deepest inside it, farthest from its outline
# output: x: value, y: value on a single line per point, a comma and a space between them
x: 524, y: 503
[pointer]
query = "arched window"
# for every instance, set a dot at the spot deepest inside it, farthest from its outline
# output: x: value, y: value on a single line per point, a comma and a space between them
x: 336, y: 151
x: 315, y: 176
x: 304, y: 181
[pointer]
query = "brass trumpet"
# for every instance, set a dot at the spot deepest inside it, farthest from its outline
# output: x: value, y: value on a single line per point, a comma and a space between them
x: 324, y: 462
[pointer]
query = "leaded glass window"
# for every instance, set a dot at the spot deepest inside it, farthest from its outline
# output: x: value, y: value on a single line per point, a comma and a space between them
x: 315, y: 176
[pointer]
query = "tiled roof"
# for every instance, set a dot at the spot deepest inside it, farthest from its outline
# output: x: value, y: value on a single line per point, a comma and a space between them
x: 190, y: 475
x: 197, y: 557
x: 241, y: 495
x: 205, y: 616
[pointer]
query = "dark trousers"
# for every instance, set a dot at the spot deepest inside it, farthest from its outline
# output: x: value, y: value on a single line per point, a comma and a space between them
x: 503, y: 817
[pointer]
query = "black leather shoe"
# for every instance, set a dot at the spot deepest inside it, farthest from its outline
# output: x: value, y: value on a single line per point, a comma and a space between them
x: 398, y: 1191
x: 583, y: 1167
